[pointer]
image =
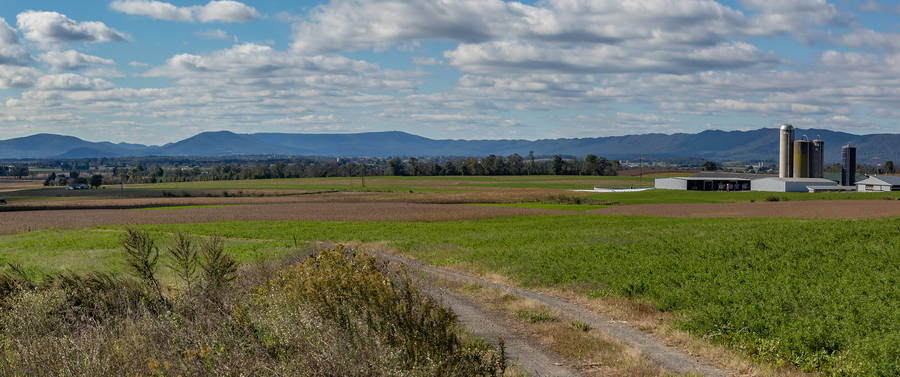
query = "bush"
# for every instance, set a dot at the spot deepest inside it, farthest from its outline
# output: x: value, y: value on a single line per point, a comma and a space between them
x: 337, y: 314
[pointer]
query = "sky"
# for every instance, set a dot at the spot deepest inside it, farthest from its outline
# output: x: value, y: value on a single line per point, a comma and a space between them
x: 154, y: 72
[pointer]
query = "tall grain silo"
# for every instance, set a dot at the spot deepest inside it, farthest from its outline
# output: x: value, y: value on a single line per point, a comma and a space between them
x: 848, y: 165
x: 786, y: 156
x: 801, y: 158
x: 817, y: 159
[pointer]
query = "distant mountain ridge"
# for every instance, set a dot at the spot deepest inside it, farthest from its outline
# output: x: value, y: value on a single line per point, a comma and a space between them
x: 761, y: 144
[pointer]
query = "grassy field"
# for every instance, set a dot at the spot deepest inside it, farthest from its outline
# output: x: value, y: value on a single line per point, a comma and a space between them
x: 458, y: 189
x: 818, y: 294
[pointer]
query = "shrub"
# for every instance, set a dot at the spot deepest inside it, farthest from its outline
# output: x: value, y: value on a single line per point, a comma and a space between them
x: 184, y: 260
x: 142, y: 256
x: 219, y: 267
x: 337, y: 314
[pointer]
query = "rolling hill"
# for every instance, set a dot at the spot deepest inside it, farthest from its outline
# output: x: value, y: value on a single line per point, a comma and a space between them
x: 761, y: 144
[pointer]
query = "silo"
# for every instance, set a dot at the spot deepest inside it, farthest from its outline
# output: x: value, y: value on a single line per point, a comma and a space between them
x: 801, y: 158
x: 817, y: 159
x: 848, y: 167
x: 786, y: 156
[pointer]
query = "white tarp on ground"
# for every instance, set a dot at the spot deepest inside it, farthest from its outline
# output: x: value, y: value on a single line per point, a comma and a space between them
x: 599, y: 189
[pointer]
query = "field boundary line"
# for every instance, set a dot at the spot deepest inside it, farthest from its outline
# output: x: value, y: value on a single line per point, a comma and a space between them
x: 668, y: 358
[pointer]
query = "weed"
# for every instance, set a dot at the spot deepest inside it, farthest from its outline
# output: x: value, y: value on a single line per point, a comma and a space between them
x: 219, y: 268
x: 184, y: 259
x: 142, y: 256
x: 580, y: 326
x: 535, y: 317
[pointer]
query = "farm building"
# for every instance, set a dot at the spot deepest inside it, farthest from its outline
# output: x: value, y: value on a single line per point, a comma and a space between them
x: 791, y: 184
x: 879, y: 183
x: 704, y: 183
x: 710, y: 181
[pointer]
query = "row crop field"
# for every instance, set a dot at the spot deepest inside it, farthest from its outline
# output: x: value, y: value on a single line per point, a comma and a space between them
x: 455, y: 189
x: 821, y: 295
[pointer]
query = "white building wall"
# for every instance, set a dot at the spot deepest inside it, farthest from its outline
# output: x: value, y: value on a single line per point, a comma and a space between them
x: 787, y: 185
x: 767, y: 184
x: 670, y: 183
x: 875, y: 188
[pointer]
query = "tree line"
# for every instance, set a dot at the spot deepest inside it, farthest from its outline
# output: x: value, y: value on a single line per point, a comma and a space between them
x: 142, y: 171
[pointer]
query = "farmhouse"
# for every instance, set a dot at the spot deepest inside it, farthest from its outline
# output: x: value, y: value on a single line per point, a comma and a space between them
x: 879, y: 183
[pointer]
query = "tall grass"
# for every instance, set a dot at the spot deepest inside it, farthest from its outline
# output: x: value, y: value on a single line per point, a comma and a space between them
x: 337, y: 314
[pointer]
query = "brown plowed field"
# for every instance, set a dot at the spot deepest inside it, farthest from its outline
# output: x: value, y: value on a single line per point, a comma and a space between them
x: 832, y: 209
x: 23, y: 221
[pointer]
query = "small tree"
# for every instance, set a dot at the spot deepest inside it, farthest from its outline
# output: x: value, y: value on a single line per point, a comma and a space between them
x: 710, y: 166
x: 219, y: 267
x: 142, y: 256
x: 558, y: 165
x: 889, y: 167
x: 96, y: 181
x: 184, y: 260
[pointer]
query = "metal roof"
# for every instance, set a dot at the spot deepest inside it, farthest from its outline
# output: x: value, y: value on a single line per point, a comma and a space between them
x: 727, y: 175
x: 708, y: 178
x: 805, y: 180
x: 881, y: 180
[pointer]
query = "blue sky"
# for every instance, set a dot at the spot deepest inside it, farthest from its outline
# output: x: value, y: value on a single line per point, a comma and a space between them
x: 158, y: 71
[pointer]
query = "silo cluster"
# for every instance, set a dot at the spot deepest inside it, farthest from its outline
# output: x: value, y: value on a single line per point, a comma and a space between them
x: 800, y: 158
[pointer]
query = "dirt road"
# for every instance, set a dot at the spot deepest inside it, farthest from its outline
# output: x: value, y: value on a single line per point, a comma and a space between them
x: 668, y: 358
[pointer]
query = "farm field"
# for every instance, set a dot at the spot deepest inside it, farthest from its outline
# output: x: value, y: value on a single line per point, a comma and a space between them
x: 817, y: 294
x: 503, y: 189
x: 805, y: 281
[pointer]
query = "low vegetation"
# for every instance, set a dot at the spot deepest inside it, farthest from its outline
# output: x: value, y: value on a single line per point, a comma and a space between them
x: 820, y: 295
x: 337, y: 313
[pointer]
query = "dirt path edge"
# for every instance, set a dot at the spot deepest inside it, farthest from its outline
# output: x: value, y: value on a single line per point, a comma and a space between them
x: 668, y: 358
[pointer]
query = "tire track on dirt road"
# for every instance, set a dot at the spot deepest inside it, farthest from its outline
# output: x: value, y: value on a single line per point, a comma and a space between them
x: 668, y: 358
x: 526, y: 357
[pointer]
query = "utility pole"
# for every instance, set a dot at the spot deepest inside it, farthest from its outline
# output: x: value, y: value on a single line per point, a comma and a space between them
x: 362, y: 172
x: 642, y: 166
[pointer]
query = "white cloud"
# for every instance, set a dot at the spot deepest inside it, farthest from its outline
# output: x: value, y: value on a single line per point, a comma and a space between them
x: 421, y: 60
x: 71, y: 60
x: 867, y: 38
x: 870, y: 6
x: 11, y: 51
x: 225, y: 11
x: 216, y: 34
x: 355, y: 24
x: 71, y: 81
x: 137, y: 64
x: 153, y: 9
x: 501, y: 56
x: 215, y: 11
x: 53, y: 27
x: 17, y: 77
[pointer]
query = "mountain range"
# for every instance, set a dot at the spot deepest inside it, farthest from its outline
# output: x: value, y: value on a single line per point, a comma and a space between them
x: 753, y: 145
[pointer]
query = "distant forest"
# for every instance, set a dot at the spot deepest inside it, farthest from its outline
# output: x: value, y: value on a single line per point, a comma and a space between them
x: 154, y: 170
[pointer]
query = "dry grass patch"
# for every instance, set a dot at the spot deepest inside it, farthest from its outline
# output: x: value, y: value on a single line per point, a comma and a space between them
x: 589, y: 351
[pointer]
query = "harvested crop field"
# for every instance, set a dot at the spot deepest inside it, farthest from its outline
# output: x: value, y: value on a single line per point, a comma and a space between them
x: 24, y: 221
x: 827, y: 209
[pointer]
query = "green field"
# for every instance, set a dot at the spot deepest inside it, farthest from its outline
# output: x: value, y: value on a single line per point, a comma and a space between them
x: 678, y: 196
x: 822, y: 295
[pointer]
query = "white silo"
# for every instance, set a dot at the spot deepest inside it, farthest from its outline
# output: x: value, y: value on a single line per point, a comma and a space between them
x: 786, y: 156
